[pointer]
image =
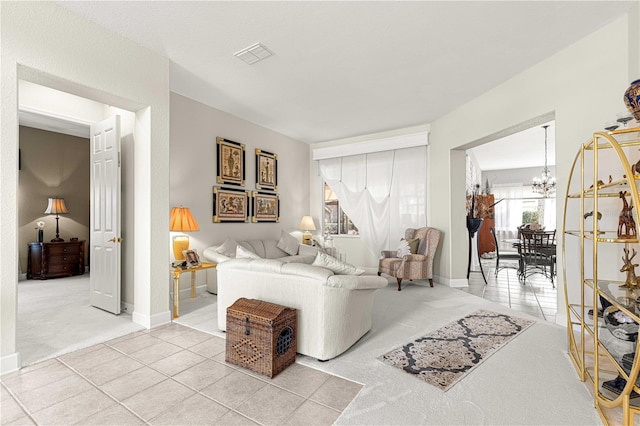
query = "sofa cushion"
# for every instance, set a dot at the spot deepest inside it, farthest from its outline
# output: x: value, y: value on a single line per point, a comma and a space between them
x: 243, y: 253
x: 298, y: 258
x: 335, y: 265
x: 228, y: 248
x: 258, y: 265
x: 305, y: 270
x: 288, y: 243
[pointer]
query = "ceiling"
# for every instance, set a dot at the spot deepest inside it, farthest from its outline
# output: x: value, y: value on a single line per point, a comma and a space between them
x: 348, y: 68
x: 519, y: 150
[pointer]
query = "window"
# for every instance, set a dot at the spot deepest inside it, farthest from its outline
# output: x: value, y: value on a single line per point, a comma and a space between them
x: 336, y: 222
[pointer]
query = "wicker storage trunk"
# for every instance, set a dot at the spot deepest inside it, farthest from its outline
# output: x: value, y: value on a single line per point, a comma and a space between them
x: 261, y: 336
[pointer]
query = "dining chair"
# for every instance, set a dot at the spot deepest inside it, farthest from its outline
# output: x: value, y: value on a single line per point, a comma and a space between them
x: 504, y: 259
x: 538, y: 251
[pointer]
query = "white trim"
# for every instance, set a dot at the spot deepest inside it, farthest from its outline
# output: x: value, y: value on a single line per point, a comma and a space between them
x: 152, y: 321
x: 451, y: 282
x: 53, y: 114
x: 10, y: 363
x: 374, y: 145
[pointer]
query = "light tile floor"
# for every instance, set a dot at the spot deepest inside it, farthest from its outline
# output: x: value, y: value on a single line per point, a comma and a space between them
x: 167, y: 376
x: 536, y: 297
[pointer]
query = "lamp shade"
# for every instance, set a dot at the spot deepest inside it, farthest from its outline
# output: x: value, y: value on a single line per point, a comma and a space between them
x: 182, y: 220
x: 306, y: 224
x: 56, y: 206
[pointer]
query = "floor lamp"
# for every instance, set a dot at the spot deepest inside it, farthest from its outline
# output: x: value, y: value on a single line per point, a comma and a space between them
x: 56, y: 206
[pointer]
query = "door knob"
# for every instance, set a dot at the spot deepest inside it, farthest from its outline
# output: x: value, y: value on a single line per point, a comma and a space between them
x: 115, y: 240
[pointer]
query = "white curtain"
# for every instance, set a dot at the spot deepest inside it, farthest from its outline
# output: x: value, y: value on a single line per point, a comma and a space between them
x: 508, y: 212
x: 383, y: 193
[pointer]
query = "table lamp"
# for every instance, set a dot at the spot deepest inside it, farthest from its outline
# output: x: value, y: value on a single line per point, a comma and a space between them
x: 307, y: 225
x: 181, y: 221
x: 56, y: 206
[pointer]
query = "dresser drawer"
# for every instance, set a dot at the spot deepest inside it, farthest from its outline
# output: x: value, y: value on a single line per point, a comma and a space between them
x: 61, y: 249
x: 63, y: 269
x: 65, y: 259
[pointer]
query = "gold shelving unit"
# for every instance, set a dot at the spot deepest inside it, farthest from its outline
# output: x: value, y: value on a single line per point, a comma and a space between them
x: 594, y: 351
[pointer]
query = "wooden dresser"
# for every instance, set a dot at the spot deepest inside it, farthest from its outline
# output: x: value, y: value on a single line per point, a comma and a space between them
x: 54, y: 260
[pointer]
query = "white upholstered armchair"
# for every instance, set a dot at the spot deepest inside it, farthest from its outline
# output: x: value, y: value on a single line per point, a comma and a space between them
x: 412, y: 266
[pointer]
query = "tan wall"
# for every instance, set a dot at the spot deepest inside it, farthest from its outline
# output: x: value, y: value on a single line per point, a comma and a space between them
x: 52, y: 164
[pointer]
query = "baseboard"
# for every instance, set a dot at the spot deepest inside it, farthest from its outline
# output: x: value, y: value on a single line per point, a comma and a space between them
x: 185, y: 293
x: 456, y: 282
x: 152, y: 321
x: 126, y: 307
x: 10, y: 363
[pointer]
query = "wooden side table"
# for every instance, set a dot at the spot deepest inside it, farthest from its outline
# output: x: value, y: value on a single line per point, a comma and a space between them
x: 176, y: 283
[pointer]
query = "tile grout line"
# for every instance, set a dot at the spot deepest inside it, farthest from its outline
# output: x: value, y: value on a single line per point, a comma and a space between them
x: 95, y: 385
x: 15, y: 398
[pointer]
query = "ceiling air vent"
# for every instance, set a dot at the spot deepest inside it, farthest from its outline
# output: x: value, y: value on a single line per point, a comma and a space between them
x: 254, y: 53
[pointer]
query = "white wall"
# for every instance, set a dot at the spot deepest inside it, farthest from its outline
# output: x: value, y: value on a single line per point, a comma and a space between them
x: 45, y: 44
x: 194, y: 128
x: 583, y: 84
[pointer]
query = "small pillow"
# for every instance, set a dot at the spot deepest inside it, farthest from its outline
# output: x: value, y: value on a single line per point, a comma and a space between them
x: 336, y: 266
x: 413, y: 245
x: 243, y: 253
x: 288, y: 243
x: 403, y: 249
x: 228, y: 248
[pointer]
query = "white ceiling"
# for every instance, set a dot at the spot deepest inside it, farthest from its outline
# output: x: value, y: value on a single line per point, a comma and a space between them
x: 348, y: 68
x: 519, y: 150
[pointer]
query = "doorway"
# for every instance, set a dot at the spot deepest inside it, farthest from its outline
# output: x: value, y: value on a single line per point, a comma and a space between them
x: 502, y: 168
x: 54, y: 316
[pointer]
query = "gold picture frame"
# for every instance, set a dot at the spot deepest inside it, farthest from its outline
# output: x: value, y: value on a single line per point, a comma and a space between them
x: 266, y: 207
x: 230, y: 162
x: 230, y: 205
x: 266, y: 170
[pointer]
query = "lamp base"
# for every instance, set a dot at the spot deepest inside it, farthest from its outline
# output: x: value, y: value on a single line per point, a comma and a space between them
x: 307, y: 238
x: 57, y: 240
x: 180, y: 243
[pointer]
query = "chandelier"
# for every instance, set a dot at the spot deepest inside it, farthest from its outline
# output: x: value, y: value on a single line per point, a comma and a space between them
x: 545, y: 184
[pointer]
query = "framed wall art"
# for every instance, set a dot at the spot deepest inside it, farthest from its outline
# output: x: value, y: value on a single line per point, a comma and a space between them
x: 266, y: 207
x: 230, y: 205
x: 266, y: 170
x: 230, y: 164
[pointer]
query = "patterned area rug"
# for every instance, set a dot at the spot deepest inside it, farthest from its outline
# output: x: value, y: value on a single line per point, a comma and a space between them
x: 446, y: 355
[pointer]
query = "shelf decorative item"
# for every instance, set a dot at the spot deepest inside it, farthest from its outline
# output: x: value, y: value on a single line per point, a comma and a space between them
x: 620, y: 324
x: 626, y: 223
x: 630, y: 268
x: 632, y: 99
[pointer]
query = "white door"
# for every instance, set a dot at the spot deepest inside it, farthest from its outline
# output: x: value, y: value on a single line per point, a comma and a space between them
x: 105, y: 246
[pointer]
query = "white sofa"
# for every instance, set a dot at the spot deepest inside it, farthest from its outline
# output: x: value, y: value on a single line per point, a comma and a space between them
x: 334, y: 311
x: 266, y: 249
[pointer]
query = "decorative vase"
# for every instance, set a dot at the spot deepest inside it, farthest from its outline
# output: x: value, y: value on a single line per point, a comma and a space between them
x: 473, y: 224
x: 632, y: 99
x: 620, y: 324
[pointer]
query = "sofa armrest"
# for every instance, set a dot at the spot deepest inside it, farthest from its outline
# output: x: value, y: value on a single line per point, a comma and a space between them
x: 211, y: 255
x: 356, y: 282
x: 385, y: 254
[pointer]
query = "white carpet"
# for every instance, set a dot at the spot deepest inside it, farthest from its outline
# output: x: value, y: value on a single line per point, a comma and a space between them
x: 54, y: 317
x: 528, y: 382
